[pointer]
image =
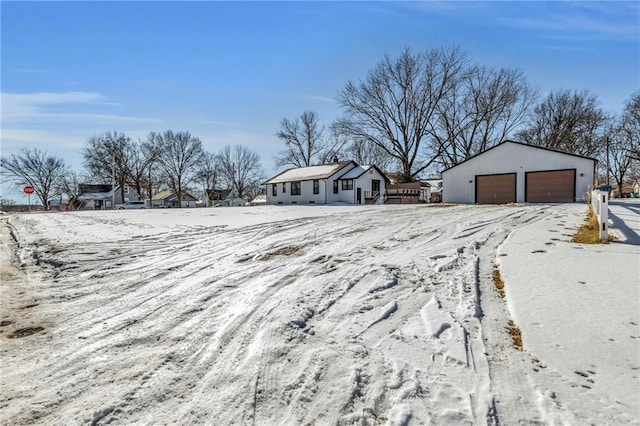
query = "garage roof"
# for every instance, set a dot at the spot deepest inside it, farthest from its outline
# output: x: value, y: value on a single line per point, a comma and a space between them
x: 523, y: 144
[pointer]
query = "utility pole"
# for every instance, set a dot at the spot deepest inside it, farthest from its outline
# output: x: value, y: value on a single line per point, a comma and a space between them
x: 607, y: 144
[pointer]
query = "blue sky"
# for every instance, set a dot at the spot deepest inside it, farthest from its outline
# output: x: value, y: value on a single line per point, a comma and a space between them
x: 228, y: 72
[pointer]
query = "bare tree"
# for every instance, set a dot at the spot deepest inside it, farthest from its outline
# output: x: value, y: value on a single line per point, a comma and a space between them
x: 364, y: 151
x: 623, y: 142
x: 179, y: 155
x: 631, y: 125
x: 70, y: 186
x: 566, y: 121
x: 480, y: 110
x: 620, y: 160
x: 240, y: 169
x: 110, y: 157
x: 334, y: 145
x: 303, y: 139
x: 5, y: 203
x: 35, y: 168
x: 209, y: 173
x: 142, y: 159
x: 394, y: 106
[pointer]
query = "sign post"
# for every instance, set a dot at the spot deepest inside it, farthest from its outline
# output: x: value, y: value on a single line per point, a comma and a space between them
x: 28, y: 190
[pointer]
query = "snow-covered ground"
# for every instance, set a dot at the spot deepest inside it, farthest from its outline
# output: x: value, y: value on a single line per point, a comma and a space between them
x: 316, y: 315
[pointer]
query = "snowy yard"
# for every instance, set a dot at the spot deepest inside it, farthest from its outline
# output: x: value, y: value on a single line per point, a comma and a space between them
x: 316, y: 315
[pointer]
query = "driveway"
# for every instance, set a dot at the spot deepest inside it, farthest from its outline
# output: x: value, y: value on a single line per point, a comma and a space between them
x: 624, y: 215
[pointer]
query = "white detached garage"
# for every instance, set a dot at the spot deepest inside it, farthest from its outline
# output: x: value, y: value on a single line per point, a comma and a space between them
x: 513, y: 172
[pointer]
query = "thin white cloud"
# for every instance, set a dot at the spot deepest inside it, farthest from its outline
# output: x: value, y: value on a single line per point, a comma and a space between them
x: 574, y: 20
x: 14, y: 139
x: 319, y: 98
x: 46, y: 107
x: 563, y: 25
x: 43, y: 98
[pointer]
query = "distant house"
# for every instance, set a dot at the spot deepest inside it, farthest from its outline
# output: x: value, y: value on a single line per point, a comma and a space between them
x: 425, y: 192
x: 259, y: 200
x: 99, y: 197
x: 169, y: 199
x: 217, y: 195
x: 627, y: 189
x: 394, y: 177
x: 345, y: 182
x: 435, y: 190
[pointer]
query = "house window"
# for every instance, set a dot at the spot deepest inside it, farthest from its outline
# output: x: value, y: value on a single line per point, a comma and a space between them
x: 335, y: 186
x: 274, y: 189
x: 284, y: 188
x: 347, y: 184
x: 126, y: 189
x: 295, y: 188
x: 316, y: 186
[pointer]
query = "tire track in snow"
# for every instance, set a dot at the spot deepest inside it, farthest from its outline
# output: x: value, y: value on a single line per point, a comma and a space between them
x: 290, y: 339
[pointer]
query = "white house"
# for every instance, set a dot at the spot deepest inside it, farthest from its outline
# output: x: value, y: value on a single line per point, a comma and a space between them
x: 169, y: 199
x: 345, y: 182
x: 99, y: 197
x: 515, y: 172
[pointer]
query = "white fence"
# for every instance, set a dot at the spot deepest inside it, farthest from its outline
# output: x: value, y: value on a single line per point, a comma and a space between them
x: 600, y: 203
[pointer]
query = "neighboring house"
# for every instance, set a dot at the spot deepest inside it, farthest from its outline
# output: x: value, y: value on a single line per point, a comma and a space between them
x: 394, y: 177
x: 344, y: 181
x: 425, y: 192
x: 217, y: 195
x: 259, y: 200
x: 627, y: 190
x: 99, y: 197
x: 169, y: 199
x: 513, y: 172
x: 636, y: 189
x: 435, y: 190
x: 233, y: 200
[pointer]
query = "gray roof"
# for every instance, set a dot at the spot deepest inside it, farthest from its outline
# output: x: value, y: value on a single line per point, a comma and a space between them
x: 323, y: 171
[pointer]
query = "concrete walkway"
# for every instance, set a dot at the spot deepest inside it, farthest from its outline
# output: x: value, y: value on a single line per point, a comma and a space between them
x: 578, y: 307
x: 624, y: 218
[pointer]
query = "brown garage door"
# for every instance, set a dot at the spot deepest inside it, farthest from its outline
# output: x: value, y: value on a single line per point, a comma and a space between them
x: 557, y: 186
x: 496, y: 189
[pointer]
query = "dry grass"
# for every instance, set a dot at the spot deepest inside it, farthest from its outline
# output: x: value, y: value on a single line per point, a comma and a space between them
x: 355, y: 231
x: 24, y: 332
x: 589, y: 232
x: 516, y: 335
x: 497, y: 280
x: 282, y: 251
x: 435, y: 205
x: 514, y: 331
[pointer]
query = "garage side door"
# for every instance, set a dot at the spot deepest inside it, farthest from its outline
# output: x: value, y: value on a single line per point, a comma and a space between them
x: 496, y: 189
x: 557, y: 186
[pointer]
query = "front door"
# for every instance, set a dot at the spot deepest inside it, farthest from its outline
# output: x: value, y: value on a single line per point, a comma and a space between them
x: 375, y: 186
x: 358, y: 196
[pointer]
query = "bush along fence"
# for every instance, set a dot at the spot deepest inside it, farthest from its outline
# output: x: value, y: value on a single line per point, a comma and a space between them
x: 600, y: 204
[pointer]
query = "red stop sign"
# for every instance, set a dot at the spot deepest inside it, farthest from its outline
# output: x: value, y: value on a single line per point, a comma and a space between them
x: 28, y: 189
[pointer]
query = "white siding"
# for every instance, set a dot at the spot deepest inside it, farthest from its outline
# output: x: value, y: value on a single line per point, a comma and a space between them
x: 331, y: 197
x: 365, y: 183
x: 306, y: 193
x: 459, y: 182
x: 307, y: 196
